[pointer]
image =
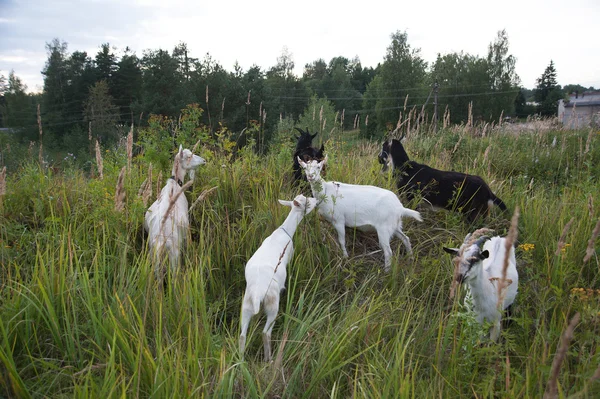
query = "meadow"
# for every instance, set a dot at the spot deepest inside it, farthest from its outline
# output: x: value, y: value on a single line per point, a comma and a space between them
x: 83, y: 316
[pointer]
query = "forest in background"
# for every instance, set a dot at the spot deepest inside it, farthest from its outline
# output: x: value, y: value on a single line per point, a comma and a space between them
x: 85, y: 97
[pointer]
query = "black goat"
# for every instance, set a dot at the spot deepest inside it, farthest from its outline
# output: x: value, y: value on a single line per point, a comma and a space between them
x: 306, y: 152
x: 450, y: 190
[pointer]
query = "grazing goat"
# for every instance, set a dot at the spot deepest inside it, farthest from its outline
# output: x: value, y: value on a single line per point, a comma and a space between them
x: 450, y: 190
x: 482, y: 271
x: 166, y: 220
x: 305, y: 151
x: 366, y: 208
x: 266, y: 271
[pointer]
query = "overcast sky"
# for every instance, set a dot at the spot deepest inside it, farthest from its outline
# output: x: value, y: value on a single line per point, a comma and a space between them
x: 255, y: 32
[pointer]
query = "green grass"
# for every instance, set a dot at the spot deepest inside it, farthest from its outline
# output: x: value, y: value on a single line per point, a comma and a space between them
x: 82, y: 315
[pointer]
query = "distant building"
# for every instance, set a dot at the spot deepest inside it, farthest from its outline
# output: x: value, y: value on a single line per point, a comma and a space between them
x: 580, y: 110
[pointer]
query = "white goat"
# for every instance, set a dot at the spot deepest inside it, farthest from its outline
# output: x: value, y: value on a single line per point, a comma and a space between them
x: 266, y: 271
x: 482, y: 270
x: 367, y: 208
x: 167, y: 220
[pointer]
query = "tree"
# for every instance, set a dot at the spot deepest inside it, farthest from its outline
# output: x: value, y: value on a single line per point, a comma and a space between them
x: 548, y: 92
x: 127, y: 86
x: 161, y: 88
x: 402, y: 73
x: 55, y: 83
x: 106, y: 64
x: 101, y: 111
x: 503, y: 78
x: 19, y: 110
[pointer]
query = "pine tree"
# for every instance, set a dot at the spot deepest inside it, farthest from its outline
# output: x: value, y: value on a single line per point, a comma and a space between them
x: 548, y: 92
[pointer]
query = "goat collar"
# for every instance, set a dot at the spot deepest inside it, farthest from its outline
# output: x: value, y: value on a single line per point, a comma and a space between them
x: 177, y: 180
x: 285, y: 231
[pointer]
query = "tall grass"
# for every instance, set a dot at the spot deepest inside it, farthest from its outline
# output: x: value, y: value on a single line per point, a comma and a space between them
x: 83, y: 316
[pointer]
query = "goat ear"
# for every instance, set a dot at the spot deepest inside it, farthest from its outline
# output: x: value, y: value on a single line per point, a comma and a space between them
x: 285, y: 203
x: 180, y: 150
x: 324, y: 161
x: 484, y: 255
x: 296, y: 203
x: 451, y: 251
x: 301, y: 162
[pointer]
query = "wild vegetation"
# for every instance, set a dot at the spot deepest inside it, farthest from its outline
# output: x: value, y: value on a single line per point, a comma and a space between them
x: 83, y: 316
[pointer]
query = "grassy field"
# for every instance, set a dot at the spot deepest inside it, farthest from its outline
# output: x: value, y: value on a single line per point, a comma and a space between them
x: 82, y: 315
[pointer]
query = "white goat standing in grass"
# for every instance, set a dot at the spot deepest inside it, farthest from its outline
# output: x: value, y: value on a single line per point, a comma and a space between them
x: 482, y: 270
x: 266, y: 271
x: 367, y: 208
x: 167, y: 220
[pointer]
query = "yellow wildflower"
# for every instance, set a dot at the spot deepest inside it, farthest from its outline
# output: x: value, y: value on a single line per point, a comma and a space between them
x: 527, y: 247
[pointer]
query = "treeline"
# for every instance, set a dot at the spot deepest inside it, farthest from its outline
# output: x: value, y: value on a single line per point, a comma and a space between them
x: 107, y: 92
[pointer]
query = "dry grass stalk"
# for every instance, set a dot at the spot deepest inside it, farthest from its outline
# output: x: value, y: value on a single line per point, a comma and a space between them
x: 367, y: 121
x: 201, y: 197
x: 470, y: 118
x: 355, y: 119
x: 511, y: 238
x: 342, y: 119
x: 145, y: 191
x: 472, y: 238
x: 563, y: 236
x: 195, y: 146
x: 501, y: 118
x: 325, y: 123
x: 264, y: 116
x: 486, y: 153
x: 552, y: 387
x: 173, y: 200
x: 588, y: 141
x: 30, y: 149
x: 120, y: 191
x: 159, y: 182
x: 591, y: 205
x: 130, y: 148
x: 405, y: 102
x: 279, y: 261
x: 590, y: 247
x: 3, y: 182
x: 321, y: 115
x: 457, y: 144
x: 279, y: 357
x: 39, y: 121
x: 99, y: 162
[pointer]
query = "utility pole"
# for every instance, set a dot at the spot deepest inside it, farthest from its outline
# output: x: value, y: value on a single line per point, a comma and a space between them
x: 435, y: 105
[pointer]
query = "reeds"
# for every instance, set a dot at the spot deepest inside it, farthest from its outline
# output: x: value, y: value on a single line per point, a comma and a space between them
x: 39, y: 122
x: 589, y: 252
x: 552, y: 386
x: 563, y: 236
x: 145, y: 191
x: 202, y: 196
x: 120, y: 191
x: 509, y: 242
x: 99, y: 162
x: 129, y: 148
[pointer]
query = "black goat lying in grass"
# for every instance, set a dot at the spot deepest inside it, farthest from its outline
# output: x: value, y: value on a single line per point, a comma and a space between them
x: 306, y: 152
x: 468, y: 194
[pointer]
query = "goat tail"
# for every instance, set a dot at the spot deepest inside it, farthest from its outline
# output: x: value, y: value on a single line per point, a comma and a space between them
x: 497, y: 201
x: 413, y: 214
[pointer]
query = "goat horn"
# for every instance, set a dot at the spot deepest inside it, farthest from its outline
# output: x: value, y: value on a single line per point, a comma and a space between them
x: 298, y: 129
x: 481, y: 240
x: 467, y: 237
